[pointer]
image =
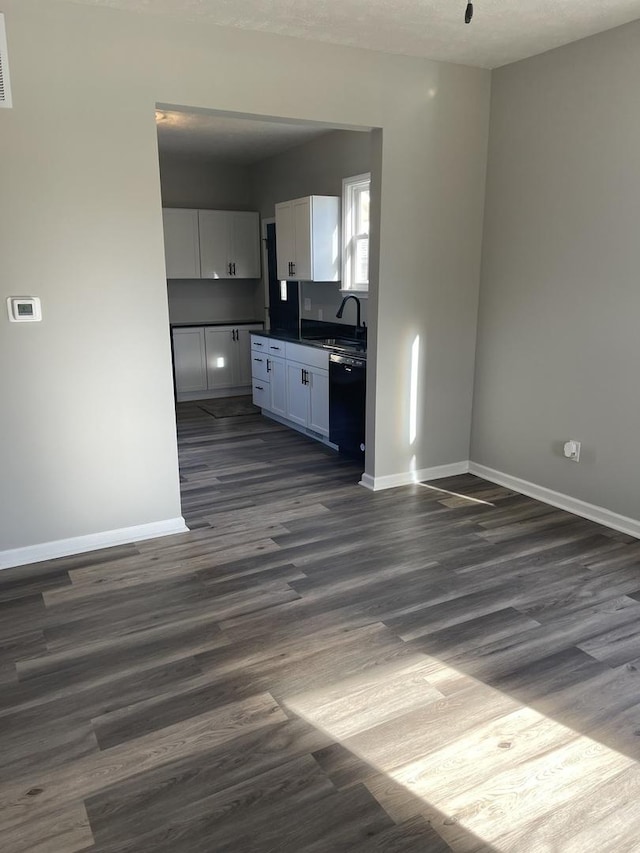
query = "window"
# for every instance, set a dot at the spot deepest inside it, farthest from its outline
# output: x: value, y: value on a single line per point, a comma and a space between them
x: 355, y: 232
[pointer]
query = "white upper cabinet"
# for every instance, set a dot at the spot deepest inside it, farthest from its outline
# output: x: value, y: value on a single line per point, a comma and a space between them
x: 214, y: 244
x: 229, y: 244
x: 244, y: 232
x: 285, y: 239
x: 308, y: 238
x: 217, y: 244
x: 303, y: 266
x: 181, y: 243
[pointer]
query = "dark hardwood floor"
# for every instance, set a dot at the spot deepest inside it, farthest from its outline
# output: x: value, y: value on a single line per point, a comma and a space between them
x: 315, y: 667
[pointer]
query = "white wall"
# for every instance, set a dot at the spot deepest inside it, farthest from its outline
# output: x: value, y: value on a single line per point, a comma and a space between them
x: 558, y: 348
x: 88, y: 434
x: 203, y: 183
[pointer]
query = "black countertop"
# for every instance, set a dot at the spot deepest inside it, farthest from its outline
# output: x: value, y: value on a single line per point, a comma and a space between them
x: 217, y: 323
x: 311, y: 333
x: 317, y: 334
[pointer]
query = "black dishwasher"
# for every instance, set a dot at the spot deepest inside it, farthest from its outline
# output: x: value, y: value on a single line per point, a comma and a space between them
x: 347, y: 392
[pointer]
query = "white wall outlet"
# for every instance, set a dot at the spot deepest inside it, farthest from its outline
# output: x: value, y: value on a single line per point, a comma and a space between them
x: 572, y: 450
x: 320, y: 314
x: 307, y: 303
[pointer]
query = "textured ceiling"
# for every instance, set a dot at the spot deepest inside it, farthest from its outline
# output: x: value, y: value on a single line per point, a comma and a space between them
x: 502, y: 31
x: 227, y: 139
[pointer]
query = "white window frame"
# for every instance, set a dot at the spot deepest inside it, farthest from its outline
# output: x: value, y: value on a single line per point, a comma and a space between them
x: 350, y: 186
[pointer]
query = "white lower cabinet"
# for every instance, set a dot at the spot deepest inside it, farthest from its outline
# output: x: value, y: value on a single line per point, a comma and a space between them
x: 297, y: 394
x: 278, y: 385
x: 243, y: 356
x: 319, y: 400
x: 211, y: 359
x: 220, y: 347
x: 189, y: 359
x: 291, y: 380
x: 261, y: 393
x: 308, y: 396
x: 269, y: 374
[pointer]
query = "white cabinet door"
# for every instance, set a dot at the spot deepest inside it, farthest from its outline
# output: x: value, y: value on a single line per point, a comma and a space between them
x: 259, y: 366
x: 302, y: 229
x: 285, y: 239
x: 277, y: 368
x: 318, y: 400
x: 261, y: 394
x: 214, y: 244
x: 297, y: 394
x: 325, y: 238
x: 308, y: 238
x: 189, y: 360
x: 245, y: 244
x: 220, y: 348
x: 181, y: 243
x: 218, y: 244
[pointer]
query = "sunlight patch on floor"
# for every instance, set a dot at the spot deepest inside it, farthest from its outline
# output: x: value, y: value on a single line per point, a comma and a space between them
x: 477, y: 763
x: 463, y: 498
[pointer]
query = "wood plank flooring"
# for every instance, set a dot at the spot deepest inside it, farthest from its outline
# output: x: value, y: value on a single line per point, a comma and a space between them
x: 317, y: 668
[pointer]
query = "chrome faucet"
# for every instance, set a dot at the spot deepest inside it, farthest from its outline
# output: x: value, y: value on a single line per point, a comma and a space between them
x: 360, y: 328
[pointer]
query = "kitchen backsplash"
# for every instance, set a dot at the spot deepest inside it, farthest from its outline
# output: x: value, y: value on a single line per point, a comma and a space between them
x: 325, y: 299
x: 198, y: 301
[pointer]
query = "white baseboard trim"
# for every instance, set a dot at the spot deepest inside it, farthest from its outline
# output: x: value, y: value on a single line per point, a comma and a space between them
x: 578, y: 507
x: 406, y: 478
x: 91, y: 542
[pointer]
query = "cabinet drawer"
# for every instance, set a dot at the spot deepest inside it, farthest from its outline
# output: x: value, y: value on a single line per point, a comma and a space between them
x: 272, y: 345
x: 259, y: 343
x: 276, y: 347
x: 313, y: 356
x: 261, y: 394
x: 259, y: 365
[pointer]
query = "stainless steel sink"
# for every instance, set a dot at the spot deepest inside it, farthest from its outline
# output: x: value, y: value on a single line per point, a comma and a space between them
x: 344, y: 344
x: 350, y: 345
x: 340, y: 342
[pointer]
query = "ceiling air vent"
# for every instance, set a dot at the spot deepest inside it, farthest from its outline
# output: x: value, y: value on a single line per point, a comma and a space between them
x: 5, y: 85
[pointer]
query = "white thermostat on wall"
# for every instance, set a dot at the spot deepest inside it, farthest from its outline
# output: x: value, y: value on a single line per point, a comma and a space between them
x: 24, y: 309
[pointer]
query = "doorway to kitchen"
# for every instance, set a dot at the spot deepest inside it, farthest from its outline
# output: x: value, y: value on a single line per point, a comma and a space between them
x: 223, y: 177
